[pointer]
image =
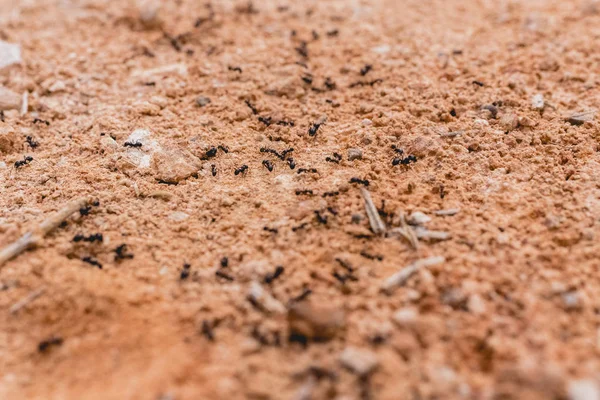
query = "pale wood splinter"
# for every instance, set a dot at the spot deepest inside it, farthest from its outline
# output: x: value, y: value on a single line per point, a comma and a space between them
x: 33, y: 237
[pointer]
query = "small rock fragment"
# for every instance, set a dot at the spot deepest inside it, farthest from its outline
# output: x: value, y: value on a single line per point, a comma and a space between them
x: 406, y: 317
x: 178, y: 216
x: 584, y: 389
x: 149, y: 14
x: 537, y: 102
x: 173, y: 165
x: 316, y: 322
x: 10, y: 54
x: 509, y: 122
x: 8, y: 140
x: 418, y: 218
x: 476, y: 305
x: 354, y: 154
x: 202, y: 101
x: 360, y: 361
x: 581, y: 118
x: 9, y: 100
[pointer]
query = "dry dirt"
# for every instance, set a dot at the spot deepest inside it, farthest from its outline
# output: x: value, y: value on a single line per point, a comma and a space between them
x: 511, y: 312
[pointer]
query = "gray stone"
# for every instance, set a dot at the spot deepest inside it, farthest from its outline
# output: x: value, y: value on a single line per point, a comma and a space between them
x: 354, y: 154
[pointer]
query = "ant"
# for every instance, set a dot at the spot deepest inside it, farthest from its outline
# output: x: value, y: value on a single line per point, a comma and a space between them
x: 336, y: 158
x: 241, y: 169
x: 236, y: 69
x: 92, y: 261
x: 223, y: 275
x: 121, y: 253
x: 266, y: 121
x: 185, y: 272
x: 291, y: 163
x: 210, y: 153
x: 132, y: 144
x: 268, y: 165
x: 364, y: 182
x: 213, y: 170
x: 92, y: 238
x: 32, y: 143
x: 312, y: 131
x: 304, y: 192
x: 311, y: 170
x: 26, y: 160
x: 365, y: 70
x: 254, y: 110
x: 320, y: 218
x: 404, y: 161
x: 276, y: 274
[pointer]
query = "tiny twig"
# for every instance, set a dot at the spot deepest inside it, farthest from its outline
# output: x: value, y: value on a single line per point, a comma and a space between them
x: 377, y: 224
x: 400, y: 277
x: 33, y: 237
x: 26, y: 300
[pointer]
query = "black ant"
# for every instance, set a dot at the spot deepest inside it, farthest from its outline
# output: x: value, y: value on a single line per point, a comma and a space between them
x: 307, y: 170
x: 235, y: 69
x: 207, y: 331
x: 312, y: 131
x: 364, y: 182
x: 308, y: 79
x: 404, y: 161
x: 26, y: 160
x: 92, y: 261
x: 44, y: 345
x: 272, y: 230
x: 330, y: 84
x: 185, y: 272
x: 303, y: 49
x: 268, y: 165
x: 254, y: 110
x: 330, y: 194
x: 266, y: 121
x: 38, y: 120
x: 83, y: 211
x: 132, y: 144
x: 97, y: 237
x: 241, y: 169
x: 320, y: 218
x: 213, y: 170
x: 210, y: 153
x: 276, y: 274
x: 291, y: 163
x: 365, y: 70
x: 121, y: 253
x: 32, y: 143
x: 304, y: 192
x: 223, y: 275
x: 336, y: 158
x: 224, y: 262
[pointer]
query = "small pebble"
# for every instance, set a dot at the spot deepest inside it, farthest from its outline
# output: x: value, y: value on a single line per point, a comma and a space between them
x: 509, y: 122
x: 354, y: 154
x: 537, y: 102
x: 418, y: 218
x: 581, y: 118
x: 202, y: 101
x: 360, y: 361
x: 316, y: 322
x: 584, y: 389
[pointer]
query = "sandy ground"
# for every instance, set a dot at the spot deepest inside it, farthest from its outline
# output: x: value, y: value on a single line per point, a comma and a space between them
x: 461, y: 106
